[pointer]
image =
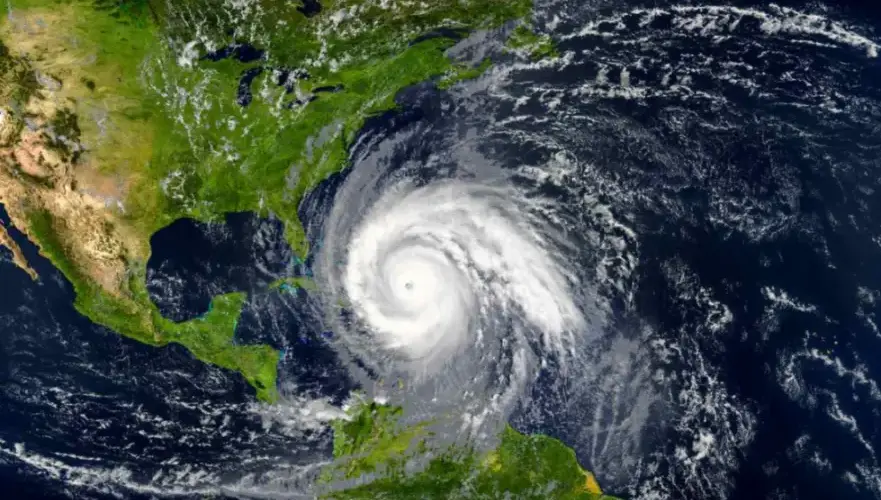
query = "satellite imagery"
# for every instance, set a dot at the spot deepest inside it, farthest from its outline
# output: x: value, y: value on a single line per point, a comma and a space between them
x: 440, y: 249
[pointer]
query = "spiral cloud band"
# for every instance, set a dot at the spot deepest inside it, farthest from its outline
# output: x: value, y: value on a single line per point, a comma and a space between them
x: 427, y: 267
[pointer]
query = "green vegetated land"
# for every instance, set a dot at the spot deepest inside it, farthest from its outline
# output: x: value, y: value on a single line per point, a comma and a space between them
x: 196, y: 136
x: 209, y: 337
x: 291, y: 284
x: 373, y: 446
x: 523, y: 38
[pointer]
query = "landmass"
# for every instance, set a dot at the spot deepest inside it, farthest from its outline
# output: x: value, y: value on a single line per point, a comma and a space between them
x: 373, y: 447
x: 291, y: 284
x: 118, y: 117
x: 18, y: 257
x: 536, y: 46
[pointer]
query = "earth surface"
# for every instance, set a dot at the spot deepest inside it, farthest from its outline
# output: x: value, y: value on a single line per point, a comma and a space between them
x: 637, y: 240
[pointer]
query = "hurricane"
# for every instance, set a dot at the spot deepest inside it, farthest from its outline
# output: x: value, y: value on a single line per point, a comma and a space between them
x: 458, y: 284
x: 426, y: 265
x: 656, y: 246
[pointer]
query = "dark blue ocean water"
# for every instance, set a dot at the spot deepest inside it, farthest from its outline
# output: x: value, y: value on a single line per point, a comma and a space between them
x: 192, y: 262
x: 69, y: 386
x: 825, y: 261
